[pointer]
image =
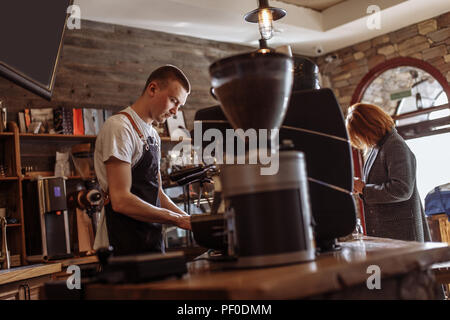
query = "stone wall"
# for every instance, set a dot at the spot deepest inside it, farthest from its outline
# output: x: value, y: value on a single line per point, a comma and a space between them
x: 427, y: 40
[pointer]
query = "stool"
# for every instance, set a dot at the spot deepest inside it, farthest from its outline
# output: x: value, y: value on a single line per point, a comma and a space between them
x: 439, y: 227
x: 441, y: 272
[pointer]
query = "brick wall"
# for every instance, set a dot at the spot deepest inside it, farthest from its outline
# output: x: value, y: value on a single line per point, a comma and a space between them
x: 427, y: 40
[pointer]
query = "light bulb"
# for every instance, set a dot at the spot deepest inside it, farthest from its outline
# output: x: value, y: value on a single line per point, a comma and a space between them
x: 265, y: 23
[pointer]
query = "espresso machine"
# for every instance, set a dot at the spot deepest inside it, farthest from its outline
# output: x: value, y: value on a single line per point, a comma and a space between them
x: 267, y: 217
x: 329, y: 165
x: 307, y: 204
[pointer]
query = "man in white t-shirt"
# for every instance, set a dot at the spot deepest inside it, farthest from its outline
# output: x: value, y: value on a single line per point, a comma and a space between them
x: 126, y: 159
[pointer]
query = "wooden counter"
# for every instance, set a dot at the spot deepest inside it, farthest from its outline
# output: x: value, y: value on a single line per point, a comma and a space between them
x: 24, y: 283
x: 404, y: 274
x: 27, y: 272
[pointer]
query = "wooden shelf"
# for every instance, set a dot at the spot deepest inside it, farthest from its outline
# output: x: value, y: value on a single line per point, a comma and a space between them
x: 77, y: 177
x: 77, y: 260
x: 167, y: 139
x: 69, y: 178
x: 56, y: 136
x: 13, y: 225
x: 9, y: 178
x: 6, y: 135
x: 78, y: 137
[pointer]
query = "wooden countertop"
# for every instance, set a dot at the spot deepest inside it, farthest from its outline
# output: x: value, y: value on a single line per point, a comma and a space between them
x: 27, y: 272
x: 78, y: 261
x: 329, y: 272
x: 37, y: 270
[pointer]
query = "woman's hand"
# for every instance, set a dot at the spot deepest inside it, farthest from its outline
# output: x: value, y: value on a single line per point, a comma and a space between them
x: 358, y: 185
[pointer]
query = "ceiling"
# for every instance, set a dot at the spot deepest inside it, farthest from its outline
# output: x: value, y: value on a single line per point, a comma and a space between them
x: 318, y: 5
x: 311, y: 27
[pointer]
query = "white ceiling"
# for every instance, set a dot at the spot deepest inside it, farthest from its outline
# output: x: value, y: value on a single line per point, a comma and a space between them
x: 318, y: 5
x: 328, y: 24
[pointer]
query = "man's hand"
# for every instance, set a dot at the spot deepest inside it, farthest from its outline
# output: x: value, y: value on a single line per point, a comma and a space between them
x: 123, y: 201
x: 182, y: 219
x: 184, y: 222
x: 358, y: 185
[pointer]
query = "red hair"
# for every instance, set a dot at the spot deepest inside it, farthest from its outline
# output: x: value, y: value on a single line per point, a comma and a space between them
x: 367, y: 124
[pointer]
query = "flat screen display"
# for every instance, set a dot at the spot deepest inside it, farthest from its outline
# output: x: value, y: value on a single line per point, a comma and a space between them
x: 57, y: 192
x: 31, y: 34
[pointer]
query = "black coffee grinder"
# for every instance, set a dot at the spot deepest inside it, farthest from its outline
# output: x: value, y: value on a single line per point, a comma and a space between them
x: 267, y: 211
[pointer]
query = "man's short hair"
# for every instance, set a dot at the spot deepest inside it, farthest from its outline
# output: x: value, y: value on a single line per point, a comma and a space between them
x: 168, y: 72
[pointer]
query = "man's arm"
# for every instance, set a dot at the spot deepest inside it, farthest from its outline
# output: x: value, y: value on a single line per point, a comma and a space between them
x: 166, y: 202
x: 123, y: 201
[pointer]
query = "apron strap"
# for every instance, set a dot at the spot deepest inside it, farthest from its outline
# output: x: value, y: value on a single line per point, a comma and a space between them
x: 141, y: 136
x: 106, y: 193
x: 133, y: 124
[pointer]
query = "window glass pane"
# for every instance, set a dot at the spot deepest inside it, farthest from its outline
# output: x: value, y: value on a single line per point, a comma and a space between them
x: 405, y: 89
x: 433, y: 158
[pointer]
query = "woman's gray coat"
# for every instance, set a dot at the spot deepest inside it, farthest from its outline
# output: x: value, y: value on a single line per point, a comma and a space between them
x: 392, y: 207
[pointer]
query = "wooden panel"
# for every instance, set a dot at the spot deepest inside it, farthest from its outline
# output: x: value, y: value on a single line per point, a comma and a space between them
x: 101, y: 66
x: 9, y: 294
x: 106, y: 66
x: 28, y: 289
x: 85, y: 232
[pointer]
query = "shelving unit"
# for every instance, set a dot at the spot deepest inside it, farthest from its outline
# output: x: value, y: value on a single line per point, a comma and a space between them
x: 56, y: 136
x: 36, y: 150
x: 23, y: 149
x: 10, y: 189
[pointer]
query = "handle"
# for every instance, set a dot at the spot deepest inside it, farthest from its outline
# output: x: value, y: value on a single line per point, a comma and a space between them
x: 213, y: 93
x: 26, y: 291
x: 230, y: 231
x: 5, y: 252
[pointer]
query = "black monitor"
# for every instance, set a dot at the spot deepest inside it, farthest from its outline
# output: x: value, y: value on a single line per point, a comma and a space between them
x: 31, y: 34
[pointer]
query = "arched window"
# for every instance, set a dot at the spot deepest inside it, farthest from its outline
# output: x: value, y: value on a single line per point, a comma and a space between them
x: 413, y: 92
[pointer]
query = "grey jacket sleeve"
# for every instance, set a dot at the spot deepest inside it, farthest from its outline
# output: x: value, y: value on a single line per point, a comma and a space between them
x: 400, y: 173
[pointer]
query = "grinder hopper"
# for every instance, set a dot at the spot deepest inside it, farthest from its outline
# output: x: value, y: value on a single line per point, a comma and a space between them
x: 253, y: 88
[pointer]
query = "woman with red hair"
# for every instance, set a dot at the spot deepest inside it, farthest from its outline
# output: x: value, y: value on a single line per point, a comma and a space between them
x: 392, y: 205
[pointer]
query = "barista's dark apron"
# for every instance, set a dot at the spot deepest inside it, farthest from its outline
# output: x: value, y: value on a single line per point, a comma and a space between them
x: 127, y: 235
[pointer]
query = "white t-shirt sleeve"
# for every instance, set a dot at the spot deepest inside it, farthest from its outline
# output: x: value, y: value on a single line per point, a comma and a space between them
x: 117, y: 140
